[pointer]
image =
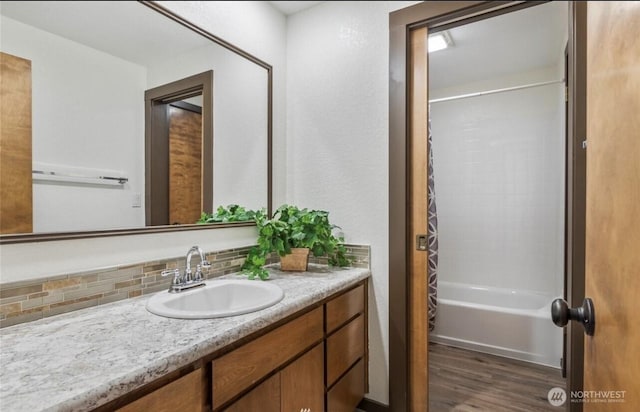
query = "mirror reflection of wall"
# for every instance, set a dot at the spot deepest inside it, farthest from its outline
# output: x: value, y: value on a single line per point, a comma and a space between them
x: 90, y: 67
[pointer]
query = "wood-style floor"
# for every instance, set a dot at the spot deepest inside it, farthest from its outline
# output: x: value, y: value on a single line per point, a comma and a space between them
x: 463, y: 380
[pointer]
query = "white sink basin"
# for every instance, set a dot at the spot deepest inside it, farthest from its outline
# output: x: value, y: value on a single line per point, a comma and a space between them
x: 219, y: 298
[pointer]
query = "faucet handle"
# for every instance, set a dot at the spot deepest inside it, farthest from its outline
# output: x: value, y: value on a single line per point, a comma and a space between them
x: 197, y: 277
x: 174, y: 272
x: 169, y: 272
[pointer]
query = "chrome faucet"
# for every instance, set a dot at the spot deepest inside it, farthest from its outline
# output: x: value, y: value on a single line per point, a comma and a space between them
x: 203, y: 263
x: 189, y: 280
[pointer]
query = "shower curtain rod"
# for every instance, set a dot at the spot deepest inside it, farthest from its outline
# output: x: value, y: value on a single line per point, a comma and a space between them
x: 506, y: 89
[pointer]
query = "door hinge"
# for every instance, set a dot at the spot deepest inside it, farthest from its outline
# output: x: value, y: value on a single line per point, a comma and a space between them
x: 584, y: 144
x: 422, y: 242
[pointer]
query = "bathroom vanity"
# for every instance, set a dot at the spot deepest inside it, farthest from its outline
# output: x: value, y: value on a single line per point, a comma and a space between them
x: 307, y: 352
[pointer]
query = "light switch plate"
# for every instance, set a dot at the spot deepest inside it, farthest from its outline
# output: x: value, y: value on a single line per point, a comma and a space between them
x: 136, y: 200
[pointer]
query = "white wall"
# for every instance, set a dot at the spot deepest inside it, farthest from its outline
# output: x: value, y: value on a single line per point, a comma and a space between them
x: 337, y: 138
x: 85, y: 120
x: 499, y: 176
x: 235, y: 22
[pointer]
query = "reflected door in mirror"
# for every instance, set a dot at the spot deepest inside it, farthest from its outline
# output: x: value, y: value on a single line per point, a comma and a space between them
x: 179, y: 150
x: 185, y: 163
x: 16, y: 207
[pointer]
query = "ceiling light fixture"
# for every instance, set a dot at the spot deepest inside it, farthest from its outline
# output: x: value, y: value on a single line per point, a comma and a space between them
x: 439, y: 41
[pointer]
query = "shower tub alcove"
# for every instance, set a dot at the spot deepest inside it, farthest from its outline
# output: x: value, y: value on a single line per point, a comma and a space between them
x: 511, y: 323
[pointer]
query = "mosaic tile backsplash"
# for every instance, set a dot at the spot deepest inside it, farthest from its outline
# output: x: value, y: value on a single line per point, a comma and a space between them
x: 40, y: 298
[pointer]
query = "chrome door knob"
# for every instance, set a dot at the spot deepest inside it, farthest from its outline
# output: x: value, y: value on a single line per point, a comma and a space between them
x: 561, y: 314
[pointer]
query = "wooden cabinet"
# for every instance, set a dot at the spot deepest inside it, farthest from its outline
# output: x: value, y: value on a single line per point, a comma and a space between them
x: 265, y: 398
x: 302, y: 382
x: 238, y: 370
x: 344, y: 307
x: 345, y: 395
x: 311, y: 382
x: 297, y: 387
x: 314, y: 362
x: 183, y: 394
x: 344, y: 349
x: 346, y: 340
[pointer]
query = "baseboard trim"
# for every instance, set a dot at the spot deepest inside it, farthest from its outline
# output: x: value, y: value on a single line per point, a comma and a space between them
x: 369, y: 405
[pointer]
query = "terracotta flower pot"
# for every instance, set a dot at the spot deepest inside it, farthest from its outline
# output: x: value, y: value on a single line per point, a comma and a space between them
x: 296, y: 261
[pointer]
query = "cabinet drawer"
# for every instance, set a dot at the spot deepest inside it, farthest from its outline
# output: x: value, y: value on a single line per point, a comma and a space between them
x: 344, y: 307
x: 239, y: 369
x: 184, y: 394
x: 344, y: 348
x: 348, y: 392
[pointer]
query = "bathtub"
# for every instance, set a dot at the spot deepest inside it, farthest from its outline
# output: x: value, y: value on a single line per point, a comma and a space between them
x: 511, y: 323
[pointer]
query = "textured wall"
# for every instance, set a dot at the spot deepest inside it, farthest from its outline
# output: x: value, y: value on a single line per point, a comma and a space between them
x: 337, y: 138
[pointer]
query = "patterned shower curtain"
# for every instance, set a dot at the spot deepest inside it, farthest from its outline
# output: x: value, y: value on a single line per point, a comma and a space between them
x: 433, y: 237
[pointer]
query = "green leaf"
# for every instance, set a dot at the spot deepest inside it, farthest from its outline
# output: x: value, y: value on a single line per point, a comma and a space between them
x: 279, y: 245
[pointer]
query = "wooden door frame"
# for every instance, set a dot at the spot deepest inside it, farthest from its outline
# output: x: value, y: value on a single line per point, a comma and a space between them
x: 401, y: 341
x: 576, y: 190
x: 157, y: 143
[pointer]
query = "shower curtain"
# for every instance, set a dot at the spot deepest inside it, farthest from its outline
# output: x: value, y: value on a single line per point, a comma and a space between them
x: 433, y: 235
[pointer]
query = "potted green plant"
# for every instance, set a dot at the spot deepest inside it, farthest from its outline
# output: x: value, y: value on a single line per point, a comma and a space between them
x: 286, y: 233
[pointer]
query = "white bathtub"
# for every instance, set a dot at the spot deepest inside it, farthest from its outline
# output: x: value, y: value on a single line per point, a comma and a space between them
x: 512, y: 323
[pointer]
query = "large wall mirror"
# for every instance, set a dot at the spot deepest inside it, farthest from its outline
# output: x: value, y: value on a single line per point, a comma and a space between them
x: 121, y: 117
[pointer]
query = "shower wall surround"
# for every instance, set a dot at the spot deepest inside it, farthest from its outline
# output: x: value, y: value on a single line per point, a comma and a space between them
x: 499, y: 174
x: 36, y: 299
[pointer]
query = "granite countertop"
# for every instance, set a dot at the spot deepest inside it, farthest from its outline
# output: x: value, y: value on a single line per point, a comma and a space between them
x: 80, y: 360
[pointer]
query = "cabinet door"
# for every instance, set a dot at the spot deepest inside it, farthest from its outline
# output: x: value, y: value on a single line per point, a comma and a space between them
x: 345, y: 395
x: 241, y: 368
x: 264, y: 398
x: 184, y: 394
x: 302, y: 383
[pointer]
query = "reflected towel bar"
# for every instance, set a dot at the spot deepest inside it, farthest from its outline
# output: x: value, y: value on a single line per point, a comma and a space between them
x: 62, y: 177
